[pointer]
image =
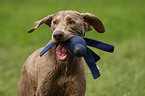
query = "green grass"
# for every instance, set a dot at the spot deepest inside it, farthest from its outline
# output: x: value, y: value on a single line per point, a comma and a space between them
x: 122, y: 73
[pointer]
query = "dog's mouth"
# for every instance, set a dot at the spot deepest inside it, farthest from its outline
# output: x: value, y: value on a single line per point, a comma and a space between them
x: 61, y: 51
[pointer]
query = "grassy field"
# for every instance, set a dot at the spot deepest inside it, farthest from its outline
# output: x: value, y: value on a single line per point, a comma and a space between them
x: 122, y: 73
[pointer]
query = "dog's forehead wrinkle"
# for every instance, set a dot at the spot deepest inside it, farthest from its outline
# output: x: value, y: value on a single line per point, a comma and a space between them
x: 57, y: 17
x: 72, y: 14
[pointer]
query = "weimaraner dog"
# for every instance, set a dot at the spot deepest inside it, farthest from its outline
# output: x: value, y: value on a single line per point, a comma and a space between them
x: 58, y: 72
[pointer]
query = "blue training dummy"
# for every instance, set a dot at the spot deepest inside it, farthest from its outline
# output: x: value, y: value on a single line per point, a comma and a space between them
x: 78, y: 46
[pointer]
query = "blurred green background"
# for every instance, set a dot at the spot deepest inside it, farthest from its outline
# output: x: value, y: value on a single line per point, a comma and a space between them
x: 122, y: 73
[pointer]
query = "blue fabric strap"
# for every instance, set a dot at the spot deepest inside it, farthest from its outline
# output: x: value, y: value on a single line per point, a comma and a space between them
x: 94, y: 55
x: 47, y: 48
x: 92, y: 65
x: 100, y: 45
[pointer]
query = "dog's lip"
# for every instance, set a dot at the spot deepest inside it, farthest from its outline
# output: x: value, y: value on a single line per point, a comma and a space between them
x: 62, y: 57
x: 70, y: 36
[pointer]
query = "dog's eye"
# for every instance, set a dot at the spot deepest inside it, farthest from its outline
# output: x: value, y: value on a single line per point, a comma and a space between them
x: 54, y: 22
x: 71, y: 22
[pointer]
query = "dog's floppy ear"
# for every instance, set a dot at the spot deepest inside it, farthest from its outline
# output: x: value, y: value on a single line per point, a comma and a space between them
x: 94, y: 22
x: 47, y: 20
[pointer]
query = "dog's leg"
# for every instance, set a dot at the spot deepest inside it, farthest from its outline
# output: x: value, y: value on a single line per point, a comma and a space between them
x: 24, y: 87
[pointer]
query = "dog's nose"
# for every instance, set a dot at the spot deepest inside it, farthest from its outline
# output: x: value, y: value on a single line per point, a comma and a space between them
x: 58, y: 35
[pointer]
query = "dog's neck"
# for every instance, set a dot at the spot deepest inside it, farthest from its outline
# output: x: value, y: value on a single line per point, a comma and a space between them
x: 68, y: 66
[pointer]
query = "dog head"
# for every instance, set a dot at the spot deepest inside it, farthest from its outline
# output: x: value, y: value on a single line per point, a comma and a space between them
x: 66, y: 24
